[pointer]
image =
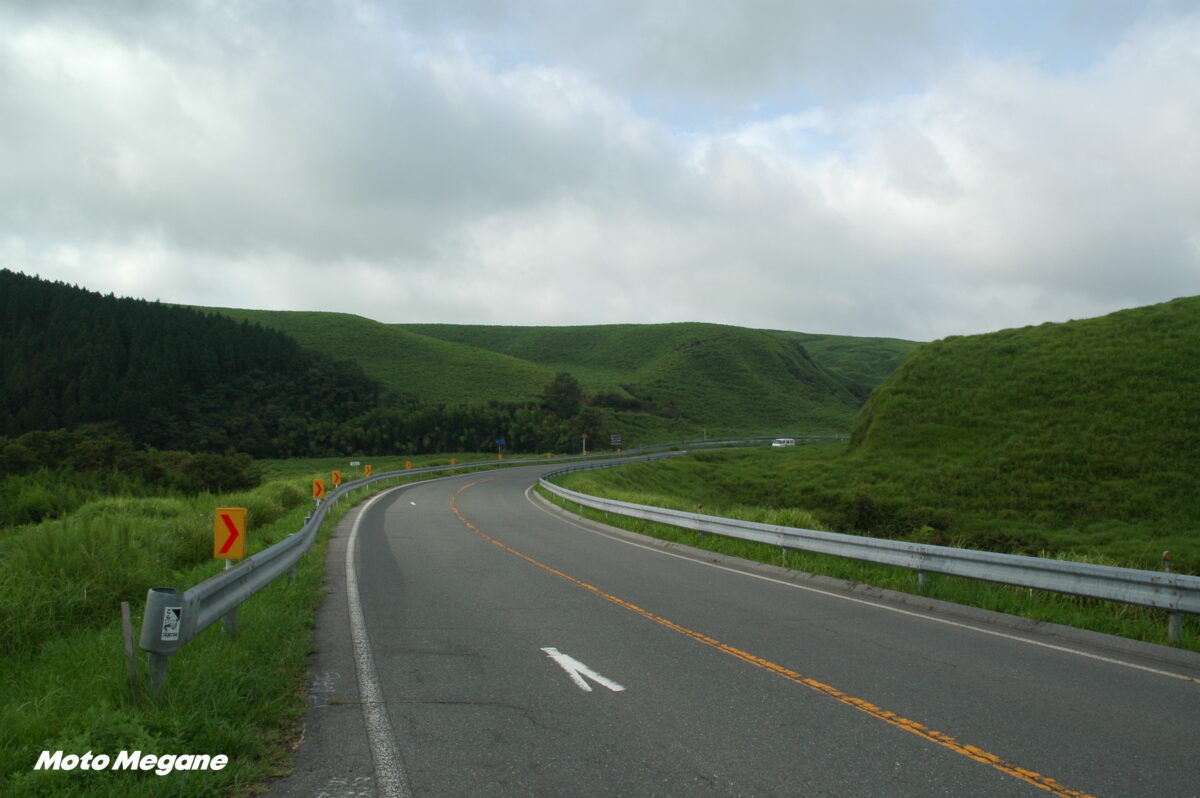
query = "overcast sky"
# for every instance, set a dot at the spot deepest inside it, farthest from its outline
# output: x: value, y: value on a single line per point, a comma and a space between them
x: 908, y: 168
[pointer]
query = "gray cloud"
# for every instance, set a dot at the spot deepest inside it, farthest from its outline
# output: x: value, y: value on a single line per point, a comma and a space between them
x: 536, y: 163
x: 725, y: 56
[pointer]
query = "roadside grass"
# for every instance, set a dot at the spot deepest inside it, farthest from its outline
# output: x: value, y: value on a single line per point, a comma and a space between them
x: 680, y: 485
x: 69, y: 690
x: 66, y: 574
x: 939, y: 500
x: 63, y: 684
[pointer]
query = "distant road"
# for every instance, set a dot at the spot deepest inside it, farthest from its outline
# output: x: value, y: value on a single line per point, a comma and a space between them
x: 519, y: 652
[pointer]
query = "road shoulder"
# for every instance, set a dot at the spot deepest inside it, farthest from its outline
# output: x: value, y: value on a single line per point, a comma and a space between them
x: 333, y: 758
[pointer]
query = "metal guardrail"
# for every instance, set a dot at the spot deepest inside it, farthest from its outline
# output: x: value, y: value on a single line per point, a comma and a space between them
x: 171, y: 619
x: 716, y: 443
x: 1173, y: 592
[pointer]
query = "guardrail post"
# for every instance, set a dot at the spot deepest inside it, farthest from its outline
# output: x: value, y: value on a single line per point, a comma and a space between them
x: 158, y: 671
x: 922, y: 580
x: 1174, y: 619
x: 231, y: 616
x: 161, y: 627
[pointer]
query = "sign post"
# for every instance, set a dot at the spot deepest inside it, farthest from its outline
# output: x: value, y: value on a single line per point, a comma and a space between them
x: 229, y: 543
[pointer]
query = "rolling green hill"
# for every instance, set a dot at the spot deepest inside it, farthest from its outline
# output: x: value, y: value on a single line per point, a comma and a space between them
x: 727, y: 379
x: 863, y: 362
x: 415, y: 367
x: 1080, y: 438
x: 654, y: 381
x: 1089, y: 425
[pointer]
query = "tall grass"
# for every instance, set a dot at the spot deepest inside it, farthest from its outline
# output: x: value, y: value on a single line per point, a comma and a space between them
x: 225, y: 696
x: 67, y: 574
x: 62, y: 680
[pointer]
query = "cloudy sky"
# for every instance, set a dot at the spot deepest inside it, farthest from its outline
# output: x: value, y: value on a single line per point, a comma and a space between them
x: 908, y: 168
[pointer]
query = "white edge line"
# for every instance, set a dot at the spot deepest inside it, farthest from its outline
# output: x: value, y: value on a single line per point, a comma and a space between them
x: 925, y: 616
x: 389, y: 774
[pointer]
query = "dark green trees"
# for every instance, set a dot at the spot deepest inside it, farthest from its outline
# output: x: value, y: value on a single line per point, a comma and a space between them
x: 163, y: 376
x: 563, y: 396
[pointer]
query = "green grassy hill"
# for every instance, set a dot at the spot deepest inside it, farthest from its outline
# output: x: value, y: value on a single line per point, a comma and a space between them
x: 1089, y: 425
x: 414, y: 366
x: 727, y: 379
x: 1080, y: 439
x: 863, y: 362
x: 657, y: 381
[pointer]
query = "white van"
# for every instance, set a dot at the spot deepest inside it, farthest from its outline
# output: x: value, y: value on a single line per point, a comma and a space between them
x: 784, y: 442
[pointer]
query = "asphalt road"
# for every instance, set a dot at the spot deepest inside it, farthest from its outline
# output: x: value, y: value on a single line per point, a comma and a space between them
x: 518, y: 651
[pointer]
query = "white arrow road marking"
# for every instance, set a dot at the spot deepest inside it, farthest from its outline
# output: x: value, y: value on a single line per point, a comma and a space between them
x: 577, y: 670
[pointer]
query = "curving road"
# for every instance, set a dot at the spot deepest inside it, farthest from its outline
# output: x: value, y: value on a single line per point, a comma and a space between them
x: 518, y: 651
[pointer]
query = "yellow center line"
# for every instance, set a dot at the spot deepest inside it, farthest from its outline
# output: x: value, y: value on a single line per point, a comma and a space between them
x: 945, y: 740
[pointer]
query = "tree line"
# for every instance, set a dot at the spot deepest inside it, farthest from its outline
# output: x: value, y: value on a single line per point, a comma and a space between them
x: 172, y: 378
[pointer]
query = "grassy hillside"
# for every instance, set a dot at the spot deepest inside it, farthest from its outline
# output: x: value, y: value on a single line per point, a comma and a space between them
x: 728, y: 379
x: 654, y: 381
x: 1089, y: 425
x: 413, y: 366
x: 863, y: 362
x: 1077, y: 439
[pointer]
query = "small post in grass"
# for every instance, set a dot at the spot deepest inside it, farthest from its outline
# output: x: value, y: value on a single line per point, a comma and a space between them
x: 127, y: 639
x: 1174, y: 619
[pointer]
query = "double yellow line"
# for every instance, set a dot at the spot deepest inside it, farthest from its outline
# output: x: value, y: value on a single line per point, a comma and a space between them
x: 945, y: 740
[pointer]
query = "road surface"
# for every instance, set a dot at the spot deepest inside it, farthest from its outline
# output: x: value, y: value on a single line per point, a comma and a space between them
x: 489, y: 645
